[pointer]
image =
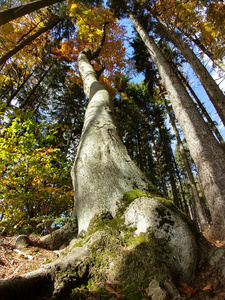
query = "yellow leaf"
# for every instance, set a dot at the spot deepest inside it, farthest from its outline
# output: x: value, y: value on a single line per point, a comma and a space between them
x: 207, y: 287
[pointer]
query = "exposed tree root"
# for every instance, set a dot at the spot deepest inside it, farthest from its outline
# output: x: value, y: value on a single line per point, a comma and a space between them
x: 51, y: 279
x: 60, y: 236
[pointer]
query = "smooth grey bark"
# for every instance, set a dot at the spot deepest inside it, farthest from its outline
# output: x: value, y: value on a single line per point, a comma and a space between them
x: 13, y: 13
x: 206, y: 152
x: 102, y: 170
x: 212, y: 89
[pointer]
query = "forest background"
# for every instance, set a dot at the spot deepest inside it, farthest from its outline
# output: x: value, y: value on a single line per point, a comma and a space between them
x: 42, y: 104
x: 67, y: 91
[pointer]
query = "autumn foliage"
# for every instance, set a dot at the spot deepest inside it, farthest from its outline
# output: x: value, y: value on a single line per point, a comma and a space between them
x: 34, y: 177
x: 88, y: 22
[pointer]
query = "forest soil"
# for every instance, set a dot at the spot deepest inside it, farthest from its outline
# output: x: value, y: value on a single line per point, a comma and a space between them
x: 207, y: 284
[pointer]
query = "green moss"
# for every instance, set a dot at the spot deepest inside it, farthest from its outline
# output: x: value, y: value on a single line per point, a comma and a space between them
x: 122, y: 256
x: 146, y: 260
x: 78, y: 244
x: 130, y: 196
x: 101, y: 222
x: 47, y: 261
x: 130, y: 239
x: 153, y: 190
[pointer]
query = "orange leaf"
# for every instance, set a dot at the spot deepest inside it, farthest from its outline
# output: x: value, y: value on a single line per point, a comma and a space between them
x: 186, y: 289
x: 207, y: 287
x: 20, y: 255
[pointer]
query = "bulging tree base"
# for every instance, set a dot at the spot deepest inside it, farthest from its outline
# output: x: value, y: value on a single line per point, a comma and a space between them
x: 148, y: 247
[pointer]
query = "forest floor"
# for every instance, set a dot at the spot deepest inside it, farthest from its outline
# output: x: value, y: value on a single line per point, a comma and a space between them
x: 207, y: 284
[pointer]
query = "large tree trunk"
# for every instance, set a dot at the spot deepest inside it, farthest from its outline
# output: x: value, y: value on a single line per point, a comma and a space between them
x: 206, y: 152
x: 212, y: 89
x: 102, y: 171
x: 19, y: 11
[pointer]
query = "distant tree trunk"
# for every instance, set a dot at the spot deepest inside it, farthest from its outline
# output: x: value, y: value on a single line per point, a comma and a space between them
x: 183, y: 204
x: 203, y: 110
x: 206, y: 152
x: 170, y: 166
x: 197, y: 200
x: 211, y: 87
x: 217, y: 62
x: 40, y: 100
x: 28, y: 40
x: 102, y: 170
x: 27, y: 99
x: 22, y: 10
x: 18, y: 89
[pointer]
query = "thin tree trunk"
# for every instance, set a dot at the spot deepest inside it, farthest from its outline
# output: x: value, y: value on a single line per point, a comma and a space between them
x: 27, y: 41
x: 25, y: 102
x: 188, y: 169
x: 206, y: 152
x: 40, y: 101
x: 198, y: 43
x: 18, y: 89
x: 170, y: 167
x: 212, y: 89
x: 183, y: 205
x: 102, y: 170
x: 70, y: 135
x: 22, y: 10
x: 203, y: 111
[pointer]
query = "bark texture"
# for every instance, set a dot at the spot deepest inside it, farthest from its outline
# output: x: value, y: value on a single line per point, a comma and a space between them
x: 102, y: 171
x: 206, y: 152
x: 212, y: 89
x: 21, y: 10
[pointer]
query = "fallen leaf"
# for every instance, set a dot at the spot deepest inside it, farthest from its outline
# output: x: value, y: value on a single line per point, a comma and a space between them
x: 186, y: 289
x: 207, y: 287
x: 20, y: 255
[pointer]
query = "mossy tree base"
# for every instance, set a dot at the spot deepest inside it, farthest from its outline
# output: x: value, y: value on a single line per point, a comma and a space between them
x: 118, y: 257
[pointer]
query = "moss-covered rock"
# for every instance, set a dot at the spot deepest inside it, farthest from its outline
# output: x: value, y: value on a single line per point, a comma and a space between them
x: 147, y: 240
x: 149, y: 215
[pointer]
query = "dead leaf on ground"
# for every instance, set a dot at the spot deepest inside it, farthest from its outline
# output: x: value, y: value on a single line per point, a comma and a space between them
x: 207, y: 287
x: 186, y: 289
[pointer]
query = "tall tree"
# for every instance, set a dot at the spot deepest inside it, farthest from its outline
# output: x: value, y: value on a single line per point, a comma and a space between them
x: 212, y: 89
x: 195, y: 192
x: 101, y: 145
x: 204, y: 148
